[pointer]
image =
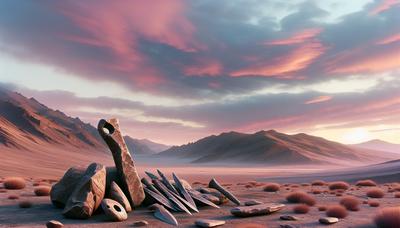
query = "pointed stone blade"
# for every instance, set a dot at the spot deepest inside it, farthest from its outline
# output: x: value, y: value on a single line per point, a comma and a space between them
x: 166, y: 181
x: 151, y: 175
x: 160, y: 199
x: 160, y: 186
x: 182, y: 200
x: 126, y: 170
x: 214, y: 184
x: 183, y: 191
x: 201, y: 200
x: 150, y: 186
x: 164, y: 215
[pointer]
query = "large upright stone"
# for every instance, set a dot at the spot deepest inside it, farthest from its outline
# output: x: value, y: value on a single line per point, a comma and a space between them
x: 61, y: 191
x: 88, y: 193
x: 130, y: 181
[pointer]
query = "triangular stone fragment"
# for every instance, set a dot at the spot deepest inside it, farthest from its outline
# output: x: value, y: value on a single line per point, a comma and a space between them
x: 260, y: 209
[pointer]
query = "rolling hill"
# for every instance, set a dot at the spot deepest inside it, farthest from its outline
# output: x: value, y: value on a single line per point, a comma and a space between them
x: 379, y: 145
x: 272, y: 147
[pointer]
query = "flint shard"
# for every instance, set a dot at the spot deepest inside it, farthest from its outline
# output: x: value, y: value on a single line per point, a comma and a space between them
x: 256, y: 210
x: 200, y: 200
x: 118, y: 195
x: 151, y: 175
x: 160, y: 186
x: 166, y: 181
x: 159, y: 198
x: 150, y: 186
x: 163, y: 214
x: 183, y: 191
x: 88, y: 193
x: 214, y: 184
x: 130, y: 181
x: 61, y: 191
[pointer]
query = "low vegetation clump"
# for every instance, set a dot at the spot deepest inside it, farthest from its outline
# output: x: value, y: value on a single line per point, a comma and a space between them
x: 14, y: 183
x: 301, y: 209
x: 42, y: 191
x: 339, y: 185
x: 366, y: 183
x: 375, y: 193
x: 301, y: 197
x: 305, y: 184
x: 271, y: 187
x: 373, y: 203
x: 318, y: 183
x: 322, y: 208
x: 337, y: 211
x: 388, y: 218
x: 397, y: 195
x: 351, y: 203
x: 316, y: 191
x: 13, y: 197
x: 25, y: 204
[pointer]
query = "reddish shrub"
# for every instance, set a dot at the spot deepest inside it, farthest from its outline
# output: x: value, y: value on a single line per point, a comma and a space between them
x: 375, y: 193
x: 25, y: 204
x: 339, y: 194
x: 13, y: 197
x: 305, y: 184
x: 42, y: 191
x: 366, y: 183
x: 318, y: 183
x: 351, y: 203
x: 373, y: 203
x: 337, y: 211
x: 301, y: 209
x: 271, y: 187
x: 388, y: 218
x: 397, y: 195
x: 3, y: 191
x: 316, y: 191
x: 339, y: 185
x: 322, y: 208
x: 14, y: 183
x: 295, y: 185
x: 300, y: 197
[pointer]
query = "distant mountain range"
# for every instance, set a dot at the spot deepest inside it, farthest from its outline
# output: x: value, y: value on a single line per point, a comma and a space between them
x: 380, y: 145
x: 272, y: 147
x: 24, y: 122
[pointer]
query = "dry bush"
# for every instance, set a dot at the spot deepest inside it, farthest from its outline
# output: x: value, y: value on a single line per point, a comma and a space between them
x: 397, y: 195
x: 373, y: 203
x: 42, y: 191
x: 388, y: 217
x: 337, y: 211
x: 375, y: 193
x: 294, y: 185
x: 301, y: 209
x: 271, y: 187
x: 198, y: 182
x: 25, y: 204
x: 316, y: 191
x: 339, y: 194
x: 248, y: 186
x: 366, y: 183
x: 288, y: 189
x: 3, y: 191
x: 396, y: 188
x: 318, y: 183
x: 300, y: 197
x: 339, y: 185
x: 13, y: 197
x: 351, y: 203
x: 14, y: 183
x: 322, y: 208
x: 365, y: 201
x: 305, y: 184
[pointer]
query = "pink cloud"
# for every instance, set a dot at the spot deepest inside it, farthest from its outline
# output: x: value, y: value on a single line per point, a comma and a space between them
x: 385, y: 5
x: 204, y: 67
x: 318, y: 99
x: 297, y: 38
x: 390, y: 39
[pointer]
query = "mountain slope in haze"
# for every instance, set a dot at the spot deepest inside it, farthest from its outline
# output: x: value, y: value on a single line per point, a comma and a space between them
x: 379, y: 145
x: 271, y: 147
x: 144, y: 146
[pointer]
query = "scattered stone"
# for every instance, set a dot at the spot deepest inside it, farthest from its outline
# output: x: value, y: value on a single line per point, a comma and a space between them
x: 163, y: 214
x: 130, y: 181
x: 208, y: 223
x: 328, y: 220
x: 214, y: 184
x: 177, y: 203
x: 140, y: 223
x: 166, y: 182
x: 252, y: 202
x: 154, y: 197
x: 261, y: 209
x: 42, y: 190
x: 114, y: 210
x: 118, y: 195
x: 199, y: 199
x: 289, y: 218
x: 88, y: 193
x: 211, y: 198
x: 14, y: 183
x: 54, y: 224
x: 61, y: 191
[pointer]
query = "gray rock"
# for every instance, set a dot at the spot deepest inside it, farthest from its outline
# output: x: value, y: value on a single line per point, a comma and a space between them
x: 130, y: 181
x: 328, y: 220
x: 260, y: 209
x: 211, y: 198
x: 88, y: 193
x: 114, y: 210
x: 208, y: 223
x: 119, y: 196
x: 252, y: 202
x: 214, y: 184
x: 140, y: 223
x: 62, y: 190
x: 289, y: 218
x: 54, y: 224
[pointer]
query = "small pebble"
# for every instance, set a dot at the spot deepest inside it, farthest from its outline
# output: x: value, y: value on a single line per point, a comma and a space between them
x: 140, y: 223
x: 289, y: 217
x: 252, y: 202
x: 288, y: 226
x: 328, y: 220
x: 54, y: 224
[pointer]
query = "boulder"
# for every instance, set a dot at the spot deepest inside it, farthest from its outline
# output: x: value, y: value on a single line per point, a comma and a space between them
x: 119, y: 196
x: 126, y: 170
x: 88, y: 193
x: 62, y: 190
x: 113, y: 210
x: 208, y: 223
x: 260, y: 209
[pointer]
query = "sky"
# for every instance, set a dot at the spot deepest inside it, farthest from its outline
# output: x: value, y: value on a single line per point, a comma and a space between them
x: 175, y: 71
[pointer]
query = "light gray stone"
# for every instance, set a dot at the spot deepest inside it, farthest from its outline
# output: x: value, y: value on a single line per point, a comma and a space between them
x: 328, y: 220
x: 208, y: 223
x: 260, y: 209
